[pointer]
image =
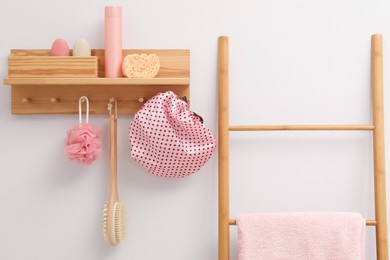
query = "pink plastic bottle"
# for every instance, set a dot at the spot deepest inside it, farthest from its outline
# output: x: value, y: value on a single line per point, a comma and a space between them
x: 113, y: 42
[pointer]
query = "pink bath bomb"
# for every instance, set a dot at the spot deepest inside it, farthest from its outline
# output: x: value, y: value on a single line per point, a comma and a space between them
x: 60, y: 48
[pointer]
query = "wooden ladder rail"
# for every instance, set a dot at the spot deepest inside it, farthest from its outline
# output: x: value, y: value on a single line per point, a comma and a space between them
x: 379, y: 146
x: 223, y: 147
x: 377, y: 127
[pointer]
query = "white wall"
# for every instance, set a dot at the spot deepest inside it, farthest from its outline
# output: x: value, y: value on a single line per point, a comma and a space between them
x: 291, y: 62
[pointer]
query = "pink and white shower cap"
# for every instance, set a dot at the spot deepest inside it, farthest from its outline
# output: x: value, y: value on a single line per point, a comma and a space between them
x: 168, y: 139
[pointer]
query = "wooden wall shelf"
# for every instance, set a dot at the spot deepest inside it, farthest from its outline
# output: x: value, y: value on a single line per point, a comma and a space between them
x: 52, y: 95
x: 96, y: 81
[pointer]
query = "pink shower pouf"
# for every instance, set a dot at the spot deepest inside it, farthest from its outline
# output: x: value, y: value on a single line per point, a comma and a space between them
x: 83, y: 143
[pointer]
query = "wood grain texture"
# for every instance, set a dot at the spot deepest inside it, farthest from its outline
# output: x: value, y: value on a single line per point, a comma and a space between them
x: 301, y: 128
x: 174, y: 63
x: 223, y: 148
x: 113, y: 193
x: 95, y: 81
x: 233, y: 222
x: 50, y: 66
x: 39, y: 97
x: 35, y: 95
x: 379, y: 146
x: 113, y: 196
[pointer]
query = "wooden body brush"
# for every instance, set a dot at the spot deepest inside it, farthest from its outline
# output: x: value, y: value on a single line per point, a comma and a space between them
x: 114, y: 216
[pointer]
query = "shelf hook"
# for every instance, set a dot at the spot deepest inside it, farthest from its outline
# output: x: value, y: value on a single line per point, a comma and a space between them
x: 113, y: 104
x: 54, y: 100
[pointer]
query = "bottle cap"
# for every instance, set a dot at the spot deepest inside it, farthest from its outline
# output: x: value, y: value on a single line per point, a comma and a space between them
x: 113, y: 11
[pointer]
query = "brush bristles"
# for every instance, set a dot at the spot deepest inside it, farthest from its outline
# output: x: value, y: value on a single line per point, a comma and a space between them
x: 120, y: 222
x: 105, y: 221
x: 118, y: 234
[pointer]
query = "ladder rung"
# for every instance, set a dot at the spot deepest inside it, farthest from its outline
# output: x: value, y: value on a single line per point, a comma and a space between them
x: 298, y: 127
x: 233, y: 222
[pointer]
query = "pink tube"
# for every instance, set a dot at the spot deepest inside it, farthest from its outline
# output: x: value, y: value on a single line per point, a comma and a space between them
x: 113, y: 42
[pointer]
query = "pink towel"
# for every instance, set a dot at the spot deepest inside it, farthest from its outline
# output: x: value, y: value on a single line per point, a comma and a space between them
x: 301, y: 236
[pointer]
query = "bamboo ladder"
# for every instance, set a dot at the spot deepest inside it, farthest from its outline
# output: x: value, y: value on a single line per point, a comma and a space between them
x: 380, y: 221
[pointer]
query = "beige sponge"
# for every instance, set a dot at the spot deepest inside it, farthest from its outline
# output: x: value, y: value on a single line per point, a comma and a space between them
x: 140, y: 66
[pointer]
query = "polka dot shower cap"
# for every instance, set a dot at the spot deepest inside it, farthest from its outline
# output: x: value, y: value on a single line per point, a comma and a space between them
x: 168, y: 139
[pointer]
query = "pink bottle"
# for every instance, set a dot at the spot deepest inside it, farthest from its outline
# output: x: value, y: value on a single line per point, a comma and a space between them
x: 113, y: 42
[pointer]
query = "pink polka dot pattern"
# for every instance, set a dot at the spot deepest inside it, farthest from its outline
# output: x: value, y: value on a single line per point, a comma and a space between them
x: 168, y: 139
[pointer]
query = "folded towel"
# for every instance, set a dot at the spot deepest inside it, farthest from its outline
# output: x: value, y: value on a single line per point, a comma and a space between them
x: 301, y: 236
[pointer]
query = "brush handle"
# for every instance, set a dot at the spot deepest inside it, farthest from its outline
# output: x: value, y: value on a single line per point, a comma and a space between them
x: 113, y: 195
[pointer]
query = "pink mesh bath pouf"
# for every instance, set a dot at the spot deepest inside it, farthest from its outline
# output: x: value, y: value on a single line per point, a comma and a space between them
x: 83, y: 143
x: 168, y: 139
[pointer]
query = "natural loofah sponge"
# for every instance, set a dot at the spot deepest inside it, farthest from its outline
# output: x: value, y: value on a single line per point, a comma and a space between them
x: 140, y: 66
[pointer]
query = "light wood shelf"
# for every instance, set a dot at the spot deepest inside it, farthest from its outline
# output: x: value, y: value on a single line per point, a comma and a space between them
x: 60, y: 95
x: 96, y: 81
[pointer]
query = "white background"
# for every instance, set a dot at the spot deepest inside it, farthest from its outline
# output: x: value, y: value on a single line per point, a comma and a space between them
x: 292, y: 62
